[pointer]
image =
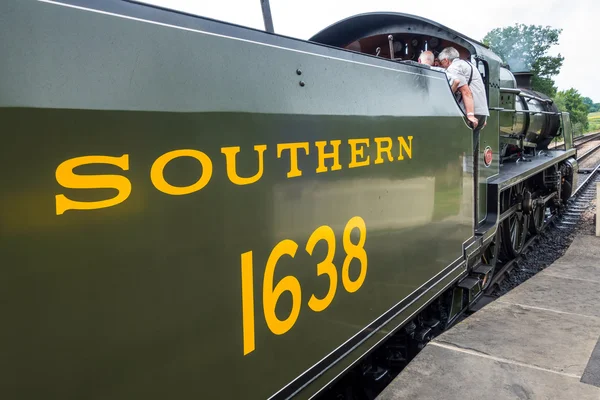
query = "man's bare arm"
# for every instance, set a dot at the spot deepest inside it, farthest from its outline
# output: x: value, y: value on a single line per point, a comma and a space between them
x: 469, y: 106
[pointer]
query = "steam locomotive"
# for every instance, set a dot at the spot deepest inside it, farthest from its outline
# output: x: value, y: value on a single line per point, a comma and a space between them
x: 197, y: 209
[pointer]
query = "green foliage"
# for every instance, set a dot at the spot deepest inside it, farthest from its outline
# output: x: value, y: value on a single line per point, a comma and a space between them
x: 523, y: 48
x: 592, y: 107
x: 559, y: 101
x: 572, y: 102
x: 543, y: 85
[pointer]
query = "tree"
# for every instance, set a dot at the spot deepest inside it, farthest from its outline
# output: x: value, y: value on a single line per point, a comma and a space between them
x: 572, y: 102
x: 524, y: 47
x: 592, y: 107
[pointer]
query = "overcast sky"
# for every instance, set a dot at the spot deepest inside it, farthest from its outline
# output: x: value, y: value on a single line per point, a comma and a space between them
x: 579, y: 20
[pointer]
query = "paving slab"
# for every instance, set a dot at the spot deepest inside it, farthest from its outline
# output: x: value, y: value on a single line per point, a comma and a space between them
x: 539, y: 341
x: 584, y: 245
x: 588, y: 270
x: 440, y: 373
x: 529, y: 336
x: 557, y: 293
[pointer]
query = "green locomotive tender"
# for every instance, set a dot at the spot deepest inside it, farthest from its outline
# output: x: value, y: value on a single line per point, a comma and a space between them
x: 193, y: 209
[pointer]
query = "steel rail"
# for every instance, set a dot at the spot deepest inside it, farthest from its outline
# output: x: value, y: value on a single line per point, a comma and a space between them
x: 588, y: 153
x: 577, y: 140
x: 586, y: 182
x: 586, y: 138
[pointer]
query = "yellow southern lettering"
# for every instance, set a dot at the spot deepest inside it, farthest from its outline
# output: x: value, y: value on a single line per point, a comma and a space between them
x: 383, y: 149
x: 359, y: 157
x: 68, y: 179
x: 157, y: 172
x: 354, y: 251
x: 230, y: 153
x: 355, y: 152
x: 272, y: 294
x: 293, y: 148
x: 248, y: 303
x: 288, y: 284
x: 406, y: 146
x: 326, y: 234
x: 334, y: 155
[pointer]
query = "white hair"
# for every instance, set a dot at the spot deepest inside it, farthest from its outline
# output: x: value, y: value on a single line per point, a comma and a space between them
x: 427, y: 56
x: 449, y: 53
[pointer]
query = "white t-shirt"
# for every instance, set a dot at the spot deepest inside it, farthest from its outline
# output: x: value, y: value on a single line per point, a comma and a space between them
x: 451, y: 78
x: 461, y: 69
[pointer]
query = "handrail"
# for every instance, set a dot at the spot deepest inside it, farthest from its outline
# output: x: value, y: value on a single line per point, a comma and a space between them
x: 523, y: 111
x: 525, y: 95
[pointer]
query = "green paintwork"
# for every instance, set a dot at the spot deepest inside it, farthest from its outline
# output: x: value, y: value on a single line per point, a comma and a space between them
x: 489, y: 134
x: 152, y: 287
x: 567, y: 130
x: 143, y: 299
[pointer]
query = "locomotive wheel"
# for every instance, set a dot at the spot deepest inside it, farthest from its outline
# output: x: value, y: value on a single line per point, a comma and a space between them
x: 537, y: 218
x: 515, y: 227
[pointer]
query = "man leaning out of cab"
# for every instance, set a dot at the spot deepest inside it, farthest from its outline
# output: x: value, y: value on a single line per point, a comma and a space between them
x: 471, y: 88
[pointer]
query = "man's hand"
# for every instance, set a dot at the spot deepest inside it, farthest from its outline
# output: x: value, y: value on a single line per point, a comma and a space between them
x: 473, y: 120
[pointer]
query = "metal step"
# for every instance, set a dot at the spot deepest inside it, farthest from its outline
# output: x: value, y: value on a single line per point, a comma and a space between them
x: 483, y: 269
x: 468, y: 283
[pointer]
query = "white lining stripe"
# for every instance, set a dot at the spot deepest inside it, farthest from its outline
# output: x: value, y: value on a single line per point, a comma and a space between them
x: 230, y: 37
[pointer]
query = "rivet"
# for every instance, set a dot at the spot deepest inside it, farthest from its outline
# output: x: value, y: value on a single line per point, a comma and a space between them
x: 299, y: 72
x: 301, y: 83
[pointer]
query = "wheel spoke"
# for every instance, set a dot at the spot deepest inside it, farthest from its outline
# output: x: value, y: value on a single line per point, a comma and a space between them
x: 514, y: 232
x: 525, y: 226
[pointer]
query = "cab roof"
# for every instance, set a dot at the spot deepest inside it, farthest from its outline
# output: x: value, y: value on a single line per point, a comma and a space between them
x: 359, y: 26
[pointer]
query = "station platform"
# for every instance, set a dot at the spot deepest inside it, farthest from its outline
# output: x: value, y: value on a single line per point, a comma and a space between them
x: 541, y: 340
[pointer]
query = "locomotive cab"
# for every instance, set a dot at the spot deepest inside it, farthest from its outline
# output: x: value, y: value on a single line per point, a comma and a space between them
x: 403, y: 46
x: 401, y: 38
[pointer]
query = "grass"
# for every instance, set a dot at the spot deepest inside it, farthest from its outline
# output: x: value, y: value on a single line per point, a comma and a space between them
x: 594, y: 121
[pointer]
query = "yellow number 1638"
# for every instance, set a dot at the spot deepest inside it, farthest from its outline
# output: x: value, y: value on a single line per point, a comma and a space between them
x: 290, y: 284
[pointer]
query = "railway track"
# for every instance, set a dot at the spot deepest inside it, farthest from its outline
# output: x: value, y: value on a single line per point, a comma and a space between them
x: 584, y: 139
x: 588, y: 152
x: 579, y: 140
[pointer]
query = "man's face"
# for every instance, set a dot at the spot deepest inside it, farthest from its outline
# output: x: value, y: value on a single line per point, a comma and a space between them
x: 444, y: 63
